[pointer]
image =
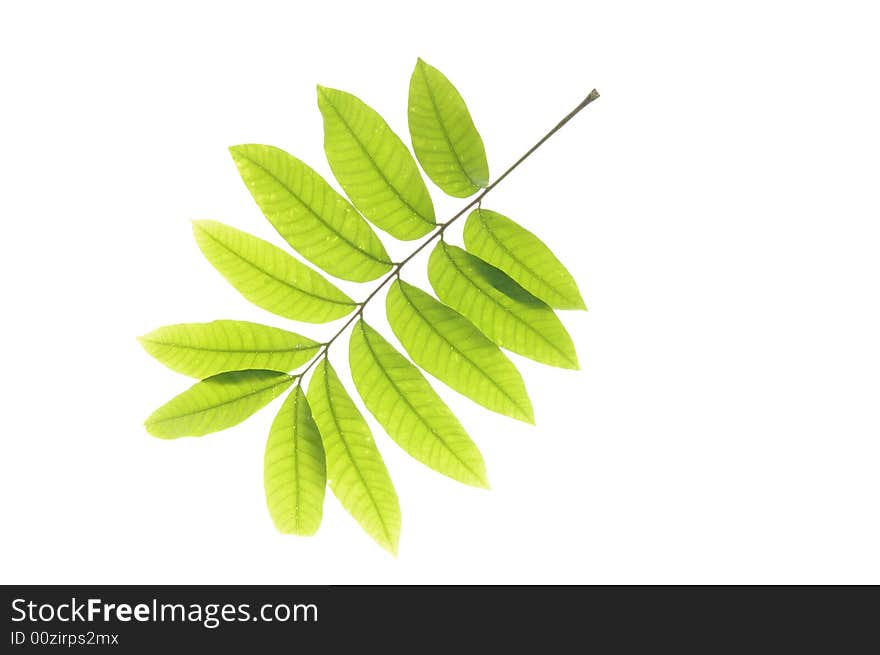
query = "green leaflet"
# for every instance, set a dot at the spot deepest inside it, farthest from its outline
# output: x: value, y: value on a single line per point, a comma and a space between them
x: 269, y: 277
x: 448, y: 346
x: 216, y: 403
x: 314, y: 219
x: 504, y: 311
x: 497, y: 293
x: 205, y: 349
x: 412, y: 413
x: 444, y: 138
x: 523, y: 256
x: 294, y: 472
x: 355, y: 470
x: 374, y: 167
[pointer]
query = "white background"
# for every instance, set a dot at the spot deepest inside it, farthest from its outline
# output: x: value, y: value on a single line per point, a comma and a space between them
x: 718, y: 206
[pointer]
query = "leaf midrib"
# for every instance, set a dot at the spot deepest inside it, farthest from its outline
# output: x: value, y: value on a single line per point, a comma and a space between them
x: 463, y: 355
x: 302, y: 202
x: 491, y: 296
x: 443, y: 127
x: 296, y: 480
x: 351, y: 458
x: 412, y: 408
x: 285, y: 283
x: 258, y: 351
x: 376, y: 167
x: 225, y: 402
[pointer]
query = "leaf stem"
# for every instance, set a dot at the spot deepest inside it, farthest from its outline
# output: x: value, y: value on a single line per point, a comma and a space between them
x: 441, y: 228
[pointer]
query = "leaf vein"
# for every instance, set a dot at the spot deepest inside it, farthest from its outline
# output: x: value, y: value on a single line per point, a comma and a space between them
x: 315, y: 214
x: 376, y: 166
x: 443, y: 129
x: 519, y: 319
x: 275, y: 277
x: 350, y: 457
x: 460, y: 352
x: 406, y: 400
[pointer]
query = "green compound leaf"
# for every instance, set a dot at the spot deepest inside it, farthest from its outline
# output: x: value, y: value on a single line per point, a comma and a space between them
x: 355, y: 470
x: 444, y: 138
x: 201, y: 350
x: 412, y: 413
x: 294, y: 469
x: 216, y: 403
x: 374, y: 167
x: 448, y: 346
x: 314, y: 219
x: 523, y: 256
x: 504, y: 311
x: 497, y: 293
x: 269, y: 277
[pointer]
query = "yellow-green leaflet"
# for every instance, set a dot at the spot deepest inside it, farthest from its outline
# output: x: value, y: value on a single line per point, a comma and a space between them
x: 269, y: 277
x: 444, y: 138
x: 497, y: 293
x: 502, y: 310
x: 216, y: 403
x: 374, y: 167
x: 313, y: 218
x: 449, y: 347
x: 355, y: 470
x: 201, y: 350
x: 294, y: 472
x: 412, y: 413
x: 523, y: 256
